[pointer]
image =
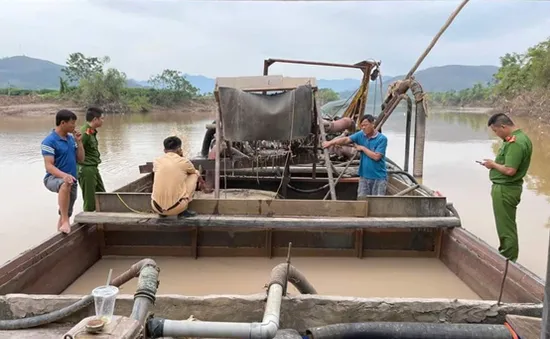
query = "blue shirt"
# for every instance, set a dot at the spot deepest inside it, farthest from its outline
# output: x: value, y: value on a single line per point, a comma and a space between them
x: 369, y: 168
x: 63, y: 151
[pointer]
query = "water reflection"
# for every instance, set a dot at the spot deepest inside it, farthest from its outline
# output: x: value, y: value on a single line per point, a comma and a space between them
x: 454, y: 142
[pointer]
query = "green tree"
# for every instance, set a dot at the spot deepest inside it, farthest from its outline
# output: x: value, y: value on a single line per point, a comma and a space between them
x: 81, y: 67
x: 171, y: 87
x: 104, y: 89
x: 325, y: 95
x: 174, y: 81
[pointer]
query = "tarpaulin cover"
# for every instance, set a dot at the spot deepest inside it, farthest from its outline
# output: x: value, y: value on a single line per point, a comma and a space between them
x: 252, y: 116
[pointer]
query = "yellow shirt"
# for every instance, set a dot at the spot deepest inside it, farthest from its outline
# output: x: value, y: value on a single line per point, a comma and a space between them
x: 171, y: 171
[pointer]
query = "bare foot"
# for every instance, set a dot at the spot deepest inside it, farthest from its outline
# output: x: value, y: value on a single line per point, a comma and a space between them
x: 65, y: 227
x: 59, y: 223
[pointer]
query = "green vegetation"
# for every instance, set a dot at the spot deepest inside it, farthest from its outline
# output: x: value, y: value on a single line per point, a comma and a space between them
x: 325, y: 95
x: 88, y: 82
x: 520, y: 86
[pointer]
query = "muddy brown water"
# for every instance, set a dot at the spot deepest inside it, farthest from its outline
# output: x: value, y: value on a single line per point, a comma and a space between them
x: 369, y: 277
x: 454, y: 142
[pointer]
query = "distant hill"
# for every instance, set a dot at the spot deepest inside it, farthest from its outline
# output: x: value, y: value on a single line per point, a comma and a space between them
x: 31, y: 73
x: 451, y: 77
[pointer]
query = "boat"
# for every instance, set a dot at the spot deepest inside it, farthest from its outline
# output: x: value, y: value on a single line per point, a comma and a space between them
x: 282, y: 205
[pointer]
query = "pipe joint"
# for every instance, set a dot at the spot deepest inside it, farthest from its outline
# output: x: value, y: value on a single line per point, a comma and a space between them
x: 155, y: 328
x: 148, y: 283
x: 264, y: 330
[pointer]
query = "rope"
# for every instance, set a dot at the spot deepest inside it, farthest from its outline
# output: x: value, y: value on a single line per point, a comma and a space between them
x: 512, y: 332
x: 130, y: 208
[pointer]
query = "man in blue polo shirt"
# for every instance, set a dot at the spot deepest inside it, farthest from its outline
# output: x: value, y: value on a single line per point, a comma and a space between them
x: 61, y: 151
x: 373, y: 176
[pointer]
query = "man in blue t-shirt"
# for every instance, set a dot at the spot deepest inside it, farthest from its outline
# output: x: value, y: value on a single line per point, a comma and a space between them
x: 61, y: 151
x: 373, y: 176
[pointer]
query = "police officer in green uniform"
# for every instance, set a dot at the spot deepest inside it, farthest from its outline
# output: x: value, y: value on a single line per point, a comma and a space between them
x: 89, y: 178
x: 506, y: 173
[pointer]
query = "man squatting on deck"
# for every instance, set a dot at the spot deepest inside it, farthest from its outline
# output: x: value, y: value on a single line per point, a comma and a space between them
x: 372, y: 144
x: 506, y: 173
x: 61, y: 151
x: 89, y: 179
x: 175, y: 181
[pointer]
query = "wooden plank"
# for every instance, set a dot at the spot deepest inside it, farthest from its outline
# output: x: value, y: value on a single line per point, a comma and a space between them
x: 260, y: 207
x: 398, y: 254
x: 269, y: 242
x: 52, y: 270
x: 359, y: 243
x: 30, y: 257
x: 119, y: 328
x: 138, y: 185
x: 376, y: 206
x: 481, y: 267
x: 525, y: 327
x: 151, y: 222
x: 195, y: 243
x: 228, y: 164
x: 264, y: 82
x: 211, y: 251
x: 410, y: 206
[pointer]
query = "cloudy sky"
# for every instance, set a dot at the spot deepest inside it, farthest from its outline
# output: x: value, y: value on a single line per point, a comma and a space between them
x: 227, y: 38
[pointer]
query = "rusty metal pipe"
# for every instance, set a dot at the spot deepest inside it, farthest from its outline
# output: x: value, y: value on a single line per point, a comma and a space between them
x: 340, y: 125
x: 360, y: 65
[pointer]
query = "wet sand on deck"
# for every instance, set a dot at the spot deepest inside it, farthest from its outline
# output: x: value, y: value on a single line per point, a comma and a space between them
x: 368, y: 277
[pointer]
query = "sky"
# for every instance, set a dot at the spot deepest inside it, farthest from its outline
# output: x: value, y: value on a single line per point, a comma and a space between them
x: 232, y: 38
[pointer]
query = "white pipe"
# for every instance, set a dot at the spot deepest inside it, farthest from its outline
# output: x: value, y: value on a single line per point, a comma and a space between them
x: 267, y: 329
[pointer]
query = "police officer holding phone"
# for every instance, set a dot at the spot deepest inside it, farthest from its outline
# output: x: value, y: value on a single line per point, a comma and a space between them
x: 506, y: 173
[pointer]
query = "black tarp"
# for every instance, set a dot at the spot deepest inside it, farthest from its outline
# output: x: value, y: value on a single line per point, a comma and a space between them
x: 251, y: 116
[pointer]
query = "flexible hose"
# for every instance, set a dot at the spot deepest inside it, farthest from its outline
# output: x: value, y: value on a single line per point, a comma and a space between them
x: 285, y: 272
x: 43, y: 319
x: 409, y: 330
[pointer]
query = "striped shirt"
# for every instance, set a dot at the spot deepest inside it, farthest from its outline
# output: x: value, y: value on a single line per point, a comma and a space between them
x: 63, y: 150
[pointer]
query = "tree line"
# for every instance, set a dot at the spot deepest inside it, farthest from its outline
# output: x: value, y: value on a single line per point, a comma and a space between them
x: 89, y: 82
x: 522, y: 83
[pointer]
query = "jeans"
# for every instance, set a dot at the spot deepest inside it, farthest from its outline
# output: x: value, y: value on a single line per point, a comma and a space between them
x: 371, y: 187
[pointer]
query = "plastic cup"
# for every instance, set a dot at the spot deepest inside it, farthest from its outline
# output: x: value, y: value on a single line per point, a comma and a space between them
x: 104, y: 301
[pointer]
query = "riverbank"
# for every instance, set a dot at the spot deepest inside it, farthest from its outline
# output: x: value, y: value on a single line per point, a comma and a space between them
x: 36, y: 106
x: 531, y: 104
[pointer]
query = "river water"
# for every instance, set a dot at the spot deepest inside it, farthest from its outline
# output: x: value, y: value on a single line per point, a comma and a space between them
x: 454, y: 141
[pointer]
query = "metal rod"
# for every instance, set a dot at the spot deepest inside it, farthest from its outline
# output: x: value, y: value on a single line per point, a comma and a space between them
x: 408, y: 134
x: 359, y: 65
x: 327, y: 159
x: 217, y: 164
x: 436, y: 38
x: 503, y: 281
x: 545, y: 330
x: 287, y: 268
x: 407, y: 190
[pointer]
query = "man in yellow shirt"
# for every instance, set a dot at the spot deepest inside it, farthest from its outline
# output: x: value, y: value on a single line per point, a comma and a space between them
x: 175, y: 181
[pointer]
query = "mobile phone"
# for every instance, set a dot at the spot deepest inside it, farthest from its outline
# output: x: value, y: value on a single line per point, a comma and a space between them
x: 479, y: 162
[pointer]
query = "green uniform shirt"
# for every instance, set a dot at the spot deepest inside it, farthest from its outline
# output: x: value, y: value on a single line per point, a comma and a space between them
x: 515, y: 152
x: 91, y: 150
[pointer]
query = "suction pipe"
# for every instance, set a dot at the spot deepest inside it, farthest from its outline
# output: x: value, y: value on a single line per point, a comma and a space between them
x: 146, y: 291
x: 43, y: 319
x: 267, y: 329
x: 409, y: 330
